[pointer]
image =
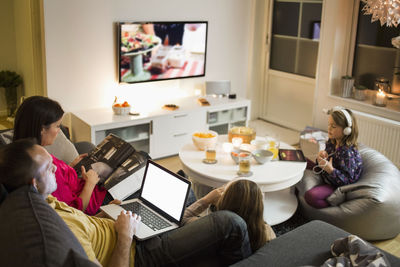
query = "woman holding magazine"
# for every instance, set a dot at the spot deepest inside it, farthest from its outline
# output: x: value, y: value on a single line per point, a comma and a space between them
x: 40, y: 117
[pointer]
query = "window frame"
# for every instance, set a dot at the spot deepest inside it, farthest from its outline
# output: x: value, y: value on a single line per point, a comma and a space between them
x: 390, y: 111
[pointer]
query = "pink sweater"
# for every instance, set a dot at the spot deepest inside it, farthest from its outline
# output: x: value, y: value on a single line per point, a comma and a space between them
x: 69, y: 187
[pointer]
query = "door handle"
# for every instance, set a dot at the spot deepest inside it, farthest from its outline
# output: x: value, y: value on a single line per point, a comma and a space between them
x: 182, y: 134
x: 180, y: 116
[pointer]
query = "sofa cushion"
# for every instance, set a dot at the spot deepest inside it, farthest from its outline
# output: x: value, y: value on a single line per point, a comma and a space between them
x: 33, y: 234
x: 63, y: 149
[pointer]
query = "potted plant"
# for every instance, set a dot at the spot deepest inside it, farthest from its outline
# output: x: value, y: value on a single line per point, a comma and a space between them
x: 10, y: 80
x: 347, y: 85
x: 360, y: 92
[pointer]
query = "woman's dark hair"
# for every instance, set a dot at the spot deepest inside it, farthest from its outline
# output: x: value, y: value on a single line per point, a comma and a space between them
x: 12, y: 157
x: 34, y: 114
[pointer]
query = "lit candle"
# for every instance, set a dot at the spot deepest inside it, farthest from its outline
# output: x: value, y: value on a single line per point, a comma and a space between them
x: 237, y: 141
x: 227, y: 147
x: 380, y: 98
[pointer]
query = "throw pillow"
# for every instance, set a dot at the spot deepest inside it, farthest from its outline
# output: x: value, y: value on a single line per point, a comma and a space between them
x: 63, y: 149
x: 6, y: 137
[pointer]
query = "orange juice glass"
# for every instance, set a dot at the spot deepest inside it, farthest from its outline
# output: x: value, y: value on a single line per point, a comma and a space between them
x: 273, y: 146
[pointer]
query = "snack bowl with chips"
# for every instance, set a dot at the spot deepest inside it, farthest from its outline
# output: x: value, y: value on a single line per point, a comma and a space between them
x: 205, y: 139
x: 238, y: 154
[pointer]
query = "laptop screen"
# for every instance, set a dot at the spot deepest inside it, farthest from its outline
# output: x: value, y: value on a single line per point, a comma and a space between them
x: 165, y: 190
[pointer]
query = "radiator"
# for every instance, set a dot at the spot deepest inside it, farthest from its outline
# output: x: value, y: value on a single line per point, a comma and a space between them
x: 380, y: 134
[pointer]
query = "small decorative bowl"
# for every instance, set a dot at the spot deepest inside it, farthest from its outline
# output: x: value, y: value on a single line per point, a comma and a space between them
x: 205, y: 139
x: 121, y: 110
x: 262, y: 155
x: 238, y: 153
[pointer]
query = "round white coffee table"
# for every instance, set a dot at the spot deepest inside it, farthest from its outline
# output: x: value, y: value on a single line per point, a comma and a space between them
x: 275, y: 178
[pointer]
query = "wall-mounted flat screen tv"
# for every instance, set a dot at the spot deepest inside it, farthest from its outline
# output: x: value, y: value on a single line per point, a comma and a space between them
x: 154, y: 51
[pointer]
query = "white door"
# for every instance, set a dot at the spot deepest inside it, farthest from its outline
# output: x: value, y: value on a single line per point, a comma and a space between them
x: 291, y: 60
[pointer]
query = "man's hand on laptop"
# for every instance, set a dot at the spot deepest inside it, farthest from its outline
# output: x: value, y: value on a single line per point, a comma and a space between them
x: 126, y: 225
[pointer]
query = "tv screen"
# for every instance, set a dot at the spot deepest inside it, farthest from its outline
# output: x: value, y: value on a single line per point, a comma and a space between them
x: 154, y: 51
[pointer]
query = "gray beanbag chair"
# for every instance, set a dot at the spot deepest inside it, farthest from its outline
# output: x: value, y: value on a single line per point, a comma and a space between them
x: 369, y: 208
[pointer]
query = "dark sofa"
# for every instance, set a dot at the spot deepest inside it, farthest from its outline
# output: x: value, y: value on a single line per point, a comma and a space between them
x: 33, y: 234
x: 307, y: 245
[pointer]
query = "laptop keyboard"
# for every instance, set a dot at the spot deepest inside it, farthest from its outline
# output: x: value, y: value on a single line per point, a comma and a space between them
x: 149, y: 218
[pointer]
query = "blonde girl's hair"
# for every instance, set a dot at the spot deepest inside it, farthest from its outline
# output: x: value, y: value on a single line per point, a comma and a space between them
x: 340, y: 119
x: 245, y: 198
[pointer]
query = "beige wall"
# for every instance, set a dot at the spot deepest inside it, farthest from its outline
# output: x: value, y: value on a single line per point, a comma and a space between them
x: 8, y: 60
x: 28, y: 30
x: 21, y: 45
x: 81, y: 49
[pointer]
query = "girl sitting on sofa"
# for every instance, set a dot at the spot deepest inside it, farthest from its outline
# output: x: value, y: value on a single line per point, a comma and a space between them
x: 242, y: 197
x: 340, y: 163
x: 40, y: 118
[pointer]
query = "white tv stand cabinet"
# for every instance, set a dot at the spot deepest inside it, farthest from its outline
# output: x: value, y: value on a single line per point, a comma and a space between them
x: 161, y: 132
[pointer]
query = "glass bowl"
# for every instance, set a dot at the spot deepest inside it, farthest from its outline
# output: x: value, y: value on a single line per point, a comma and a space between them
x: 246, y: 133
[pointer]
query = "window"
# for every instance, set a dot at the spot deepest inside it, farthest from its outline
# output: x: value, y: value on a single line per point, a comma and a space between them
x: 374, y: 54
x: 295, y: 35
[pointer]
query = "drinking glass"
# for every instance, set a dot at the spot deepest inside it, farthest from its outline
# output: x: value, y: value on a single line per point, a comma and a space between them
x: 244, y: 164
x: 273, y: 145
x: 211, y: 154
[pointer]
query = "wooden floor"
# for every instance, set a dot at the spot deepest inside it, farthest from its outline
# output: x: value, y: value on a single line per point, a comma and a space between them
x: 392, y: 245
x: 291, y: 137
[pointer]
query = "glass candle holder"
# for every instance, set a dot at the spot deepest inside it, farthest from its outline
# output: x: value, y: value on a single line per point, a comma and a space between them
x: 237, y: 141
x: 227, y: 147
x: 380, y: 99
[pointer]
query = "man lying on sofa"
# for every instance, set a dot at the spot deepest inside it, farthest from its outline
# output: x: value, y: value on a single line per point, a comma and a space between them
x: 26, y: 169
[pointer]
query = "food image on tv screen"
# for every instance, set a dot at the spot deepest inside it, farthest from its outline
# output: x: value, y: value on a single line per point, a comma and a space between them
x: 159, y: 51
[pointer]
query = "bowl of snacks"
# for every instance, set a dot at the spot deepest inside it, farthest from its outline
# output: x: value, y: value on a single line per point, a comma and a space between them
x: 205, y: 139
x: 121, y: 109
x: 262, y: 155
x: 238, y: 154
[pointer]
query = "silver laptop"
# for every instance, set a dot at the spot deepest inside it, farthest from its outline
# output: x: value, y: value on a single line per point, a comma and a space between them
x: 161, y: 202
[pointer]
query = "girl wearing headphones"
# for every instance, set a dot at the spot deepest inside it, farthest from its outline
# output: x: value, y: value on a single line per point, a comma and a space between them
x: 340, y: 163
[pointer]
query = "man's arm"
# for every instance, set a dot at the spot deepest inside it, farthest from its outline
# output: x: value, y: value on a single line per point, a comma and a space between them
x: 125, y: 226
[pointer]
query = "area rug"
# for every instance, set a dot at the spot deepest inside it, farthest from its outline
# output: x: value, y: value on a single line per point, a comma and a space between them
x: 295, y: 221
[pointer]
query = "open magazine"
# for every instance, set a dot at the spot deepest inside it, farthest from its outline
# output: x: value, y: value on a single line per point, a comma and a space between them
x: 118, y: 164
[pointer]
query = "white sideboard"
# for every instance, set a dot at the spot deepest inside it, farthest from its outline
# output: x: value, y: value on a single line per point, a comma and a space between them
x: 161, y: 132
